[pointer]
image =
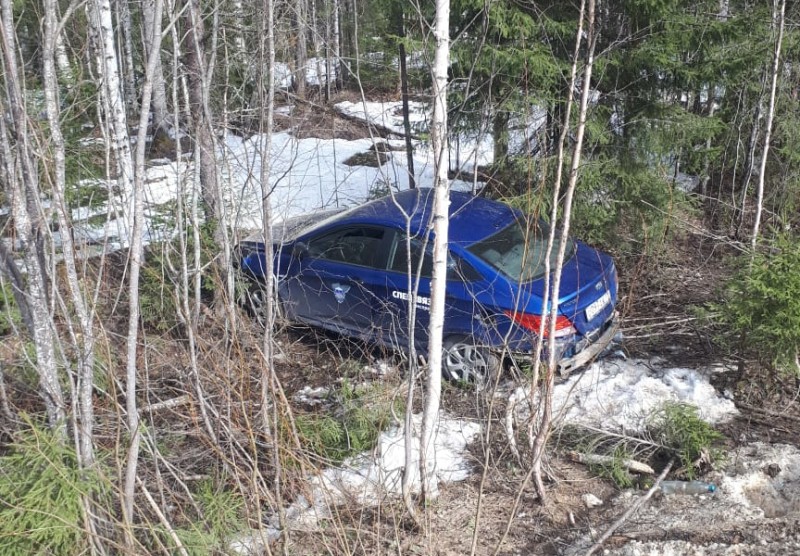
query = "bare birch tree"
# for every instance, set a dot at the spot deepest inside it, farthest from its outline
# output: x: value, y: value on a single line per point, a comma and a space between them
x: 778, y: 13
x: 108, y: 72
x: 80, y: 304
x: 546, y: 398
x: 20, y: 169
x: 440, y: 225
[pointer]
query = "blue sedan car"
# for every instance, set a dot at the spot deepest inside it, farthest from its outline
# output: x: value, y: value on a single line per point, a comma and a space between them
x: 365, y: 272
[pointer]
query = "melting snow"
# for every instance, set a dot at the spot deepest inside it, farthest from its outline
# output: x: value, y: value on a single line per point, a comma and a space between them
x: 368, y: 479
x: 620, y: 395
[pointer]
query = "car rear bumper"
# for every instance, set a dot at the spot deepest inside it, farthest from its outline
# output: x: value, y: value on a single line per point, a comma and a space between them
x: 591, y: 351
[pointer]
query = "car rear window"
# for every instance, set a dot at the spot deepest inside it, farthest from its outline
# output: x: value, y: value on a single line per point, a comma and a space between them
x: 518, y: 250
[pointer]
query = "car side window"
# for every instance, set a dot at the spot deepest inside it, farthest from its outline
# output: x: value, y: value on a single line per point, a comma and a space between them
x: 457, y: 269
x: 359, y: 246
x: 400, y: 260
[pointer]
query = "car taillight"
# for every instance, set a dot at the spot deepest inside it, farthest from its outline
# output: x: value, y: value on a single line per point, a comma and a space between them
x: 533, y: 323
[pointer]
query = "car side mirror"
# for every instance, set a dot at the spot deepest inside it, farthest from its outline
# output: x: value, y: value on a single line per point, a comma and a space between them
x: 300, y: 250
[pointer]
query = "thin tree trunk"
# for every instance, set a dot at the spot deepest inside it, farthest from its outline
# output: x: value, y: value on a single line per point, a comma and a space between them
x: 129, y: 66
x: 546, y: 399
x: 8, y: 266
x: 201, y: 122
x: 329, y: 63
x: 199, y: 92
x: 271, y: 397
x: 301, y: 54
x: 62, y: 60
x: 560, y: 154
x: 159, y: 101
x: 401, y: 48
x: 500, y: 135
x: 102, y: 39
x: 23, y: 182
x: 433, y: 383
x: 778, y: 20
x: 108, y: 70
x: 337, y: 45
x: 85, y: 374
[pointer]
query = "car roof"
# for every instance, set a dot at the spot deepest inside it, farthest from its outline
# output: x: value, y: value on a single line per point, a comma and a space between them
x: 472, y: 218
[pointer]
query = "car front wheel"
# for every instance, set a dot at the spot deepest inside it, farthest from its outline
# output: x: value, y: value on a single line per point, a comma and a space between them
x: 254, y: 301
x: 463, y: 360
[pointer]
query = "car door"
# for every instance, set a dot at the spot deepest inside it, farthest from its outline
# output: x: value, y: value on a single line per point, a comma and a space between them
x: 335, y: 280
x: 460, y: 305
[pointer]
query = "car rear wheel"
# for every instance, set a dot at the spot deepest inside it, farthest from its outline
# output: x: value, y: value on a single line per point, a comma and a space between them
x: 463, y: 359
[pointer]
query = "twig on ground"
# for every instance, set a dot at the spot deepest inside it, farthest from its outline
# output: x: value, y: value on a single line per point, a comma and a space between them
x: 167, y: 404
x: 162, y: 518
x: 769, y: 413
x: 635, y: 506
x: 598, y: 459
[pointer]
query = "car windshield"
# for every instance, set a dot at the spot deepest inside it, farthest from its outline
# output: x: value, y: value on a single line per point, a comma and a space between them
x: 519, y: 249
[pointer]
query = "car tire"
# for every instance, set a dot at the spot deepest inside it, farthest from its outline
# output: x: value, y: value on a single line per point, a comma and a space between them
x: 253, y: 301
x: 465, y: 360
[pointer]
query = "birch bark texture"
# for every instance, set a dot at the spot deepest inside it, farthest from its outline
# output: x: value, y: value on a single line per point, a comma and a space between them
x: 440, y: 225
x: 102, y: 39
x: 85, y: 342
x: 20, y: 169
x: 108, y: 71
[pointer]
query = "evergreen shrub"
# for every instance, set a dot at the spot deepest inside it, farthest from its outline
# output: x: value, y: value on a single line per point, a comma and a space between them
x: 41, y: 492
x: 685, y: 436
x: 761, y: 308
x: 357, y: 417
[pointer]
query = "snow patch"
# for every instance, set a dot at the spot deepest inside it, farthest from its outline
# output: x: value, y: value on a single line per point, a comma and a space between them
x: 367, y: 480
x: 620, y: 395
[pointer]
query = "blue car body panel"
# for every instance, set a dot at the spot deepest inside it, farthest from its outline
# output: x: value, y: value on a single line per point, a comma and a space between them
x: 347, y: 272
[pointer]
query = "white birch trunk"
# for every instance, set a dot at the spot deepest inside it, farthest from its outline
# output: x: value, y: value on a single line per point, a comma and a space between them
x: 131, y: 185
x: 20, y: 169
x: 441, y: 222
x: 85, y: 371
x: 62, y: 60
x: 337, y: 44
x: 778, y: 18
x: 112, y: 101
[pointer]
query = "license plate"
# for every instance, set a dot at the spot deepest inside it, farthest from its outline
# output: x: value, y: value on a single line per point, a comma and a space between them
x: 594, y: 309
